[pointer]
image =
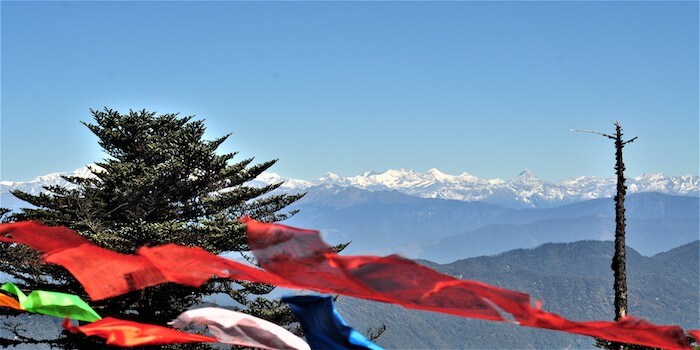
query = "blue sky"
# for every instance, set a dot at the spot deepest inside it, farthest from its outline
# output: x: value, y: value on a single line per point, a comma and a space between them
x: 489, y: 88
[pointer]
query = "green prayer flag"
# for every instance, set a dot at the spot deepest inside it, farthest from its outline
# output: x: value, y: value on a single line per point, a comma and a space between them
x: 53, y: 304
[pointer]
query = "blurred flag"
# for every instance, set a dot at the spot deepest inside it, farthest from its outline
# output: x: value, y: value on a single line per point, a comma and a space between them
x: 323, y: 326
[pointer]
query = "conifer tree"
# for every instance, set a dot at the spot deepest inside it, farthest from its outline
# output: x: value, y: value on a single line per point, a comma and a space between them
x: 162, y: 183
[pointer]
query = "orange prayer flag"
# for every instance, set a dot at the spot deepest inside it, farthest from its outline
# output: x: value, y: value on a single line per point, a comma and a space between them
x: 8, y: 301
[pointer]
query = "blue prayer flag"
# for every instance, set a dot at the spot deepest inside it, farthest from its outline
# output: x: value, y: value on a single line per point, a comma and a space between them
x: 323, y: 327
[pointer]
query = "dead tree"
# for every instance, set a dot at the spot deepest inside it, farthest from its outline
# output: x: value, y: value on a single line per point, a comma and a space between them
x: 619, y: 259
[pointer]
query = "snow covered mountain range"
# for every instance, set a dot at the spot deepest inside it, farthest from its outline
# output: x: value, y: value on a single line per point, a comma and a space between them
x: 524, y: 191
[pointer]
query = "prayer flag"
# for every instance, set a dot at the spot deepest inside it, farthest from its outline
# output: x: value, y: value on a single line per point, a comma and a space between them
x: 127, y: 333
x: 323, y: 326
x: 695, y: 333
x: 237, y: 328
x: 8, y: 301
x: 53, y: 304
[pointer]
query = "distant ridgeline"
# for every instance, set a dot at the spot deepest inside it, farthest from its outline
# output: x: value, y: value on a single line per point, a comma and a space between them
x: 444, y: 230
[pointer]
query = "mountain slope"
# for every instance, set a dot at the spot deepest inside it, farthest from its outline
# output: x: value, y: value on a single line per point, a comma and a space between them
x: 649, y: 236
x: 384, y: 222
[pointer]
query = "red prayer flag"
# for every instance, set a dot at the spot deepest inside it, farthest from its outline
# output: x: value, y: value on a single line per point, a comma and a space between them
x: 104, y: 273
x: 40, y: 237
x: 193, y: 266
x: 127, y: 333
x: 627, y: 330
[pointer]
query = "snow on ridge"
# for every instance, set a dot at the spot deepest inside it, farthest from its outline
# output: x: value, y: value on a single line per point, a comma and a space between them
x: 525, y: 190
x: 268, y: 178
x: 36, y: 185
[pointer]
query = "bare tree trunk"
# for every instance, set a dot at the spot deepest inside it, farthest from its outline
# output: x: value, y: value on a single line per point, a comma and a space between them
x: 619, y: 259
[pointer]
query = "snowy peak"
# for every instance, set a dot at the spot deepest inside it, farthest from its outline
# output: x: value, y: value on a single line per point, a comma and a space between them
x: 526, y: 175
x: 331, y: 177
x: 390, y: 179
x: 395, y: 177
x: 466, y: 177
x: 438, y: 175
x: 526, y: 178
x: 267, y: 178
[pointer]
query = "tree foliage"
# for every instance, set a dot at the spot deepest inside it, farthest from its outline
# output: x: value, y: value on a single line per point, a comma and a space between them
x: 162, y: 183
